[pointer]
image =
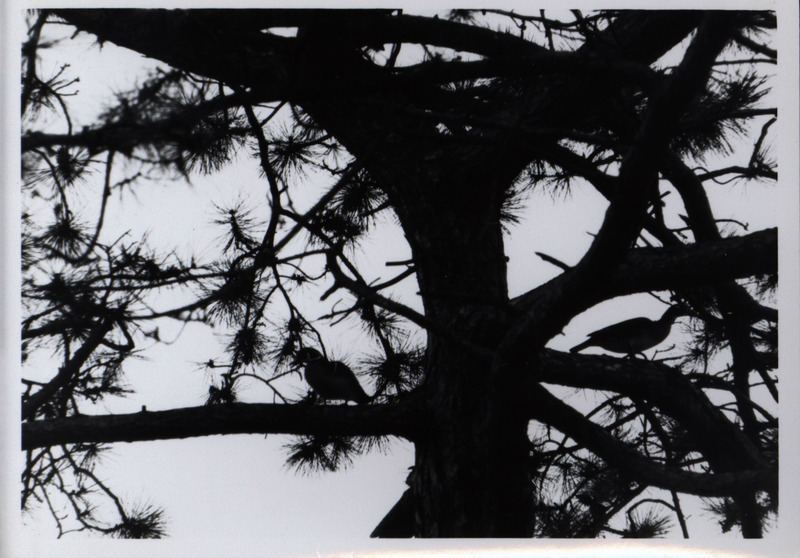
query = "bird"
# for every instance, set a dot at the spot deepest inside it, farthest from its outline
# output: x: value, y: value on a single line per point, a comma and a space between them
x: 331, y: 380
x: 633, y: 336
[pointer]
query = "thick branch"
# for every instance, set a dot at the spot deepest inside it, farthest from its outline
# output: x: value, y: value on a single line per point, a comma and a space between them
x: 551, y: 410
x: 192, y: 40
x: 638, y: 171
x: 723, y: 444
x: 238, y: 418
x: 653, y: 269
x: 123, y: 137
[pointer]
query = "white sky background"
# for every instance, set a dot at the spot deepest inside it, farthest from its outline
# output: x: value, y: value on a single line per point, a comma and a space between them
x: 235, y: 490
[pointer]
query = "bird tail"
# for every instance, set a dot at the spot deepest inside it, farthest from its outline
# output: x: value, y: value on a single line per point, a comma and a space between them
x: 581, y: 346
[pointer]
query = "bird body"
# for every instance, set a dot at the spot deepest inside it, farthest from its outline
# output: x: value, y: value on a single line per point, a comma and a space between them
x: 632, y: 336
x: 330, y: 380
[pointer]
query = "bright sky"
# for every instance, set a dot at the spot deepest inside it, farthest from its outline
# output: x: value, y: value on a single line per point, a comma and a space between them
x: 236, y: 489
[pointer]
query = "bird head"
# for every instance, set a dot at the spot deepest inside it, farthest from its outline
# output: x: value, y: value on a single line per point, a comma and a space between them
x: 679, y: 309
x: 675, y: 311
x: 305, y: 355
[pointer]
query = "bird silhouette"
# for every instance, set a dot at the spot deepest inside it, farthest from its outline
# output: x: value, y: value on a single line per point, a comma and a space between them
x: 633, y: 336
x: 331, y: 380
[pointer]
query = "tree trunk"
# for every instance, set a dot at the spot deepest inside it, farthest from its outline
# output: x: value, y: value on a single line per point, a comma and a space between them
x: 470, y: 477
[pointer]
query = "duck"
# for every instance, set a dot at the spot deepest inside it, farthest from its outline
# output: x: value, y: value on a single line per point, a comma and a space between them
x: 632, y: 337
x: 330, y: 380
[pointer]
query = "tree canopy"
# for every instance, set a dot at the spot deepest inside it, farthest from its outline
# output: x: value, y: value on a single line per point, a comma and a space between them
x: 395, y: 157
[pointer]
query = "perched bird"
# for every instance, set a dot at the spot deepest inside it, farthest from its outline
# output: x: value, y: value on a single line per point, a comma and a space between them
x: 633, y: 336
x: 330, y: 379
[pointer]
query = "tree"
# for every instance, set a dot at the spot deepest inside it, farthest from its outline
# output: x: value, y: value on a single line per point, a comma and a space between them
x: 441, y: 125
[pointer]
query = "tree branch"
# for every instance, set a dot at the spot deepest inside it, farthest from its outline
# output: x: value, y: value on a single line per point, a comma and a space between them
x: 123, y: 137
x: 723, y: 444
x: 552, y: 411
x: 399, y: 419
x: 69, y: 371
x: 191, y: 40
x: 653, y: 269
